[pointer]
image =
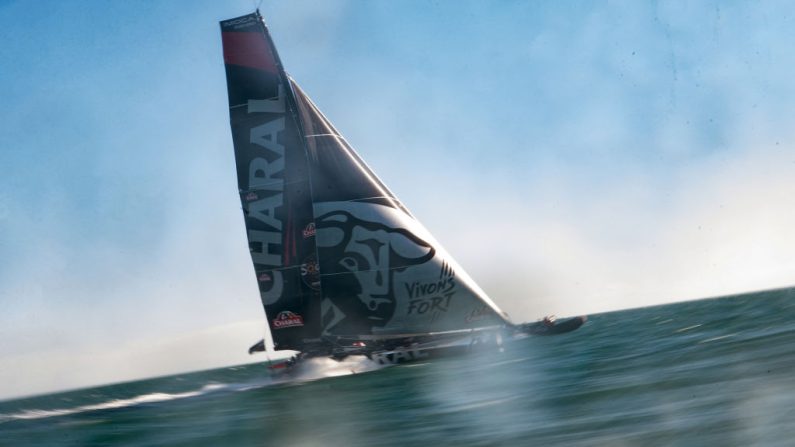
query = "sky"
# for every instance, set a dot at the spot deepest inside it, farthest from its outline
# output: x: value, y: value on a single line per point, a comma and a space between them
x: 574, y: 157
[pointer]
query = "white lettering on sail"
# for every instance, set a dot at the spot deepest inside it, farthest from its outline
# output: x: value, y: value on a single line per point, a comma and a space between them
x: 262, y: 172
x: 264, y: 210
x: 265, y: 135
x: 264, y: 256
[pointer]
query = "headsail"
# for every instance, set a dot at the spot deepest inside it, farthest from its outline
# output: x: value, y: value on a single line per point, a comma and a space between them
x: 382, y: 273
x: 336, y: 253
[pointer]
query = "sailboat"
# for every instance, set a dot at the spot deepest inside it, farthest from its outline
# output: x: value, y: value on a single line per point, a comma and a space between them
x: 343, y: 267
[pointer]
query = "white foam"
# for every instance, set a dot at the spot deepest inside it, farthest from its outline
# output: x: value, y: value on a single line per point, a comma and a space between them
x: 308, y: 370
x: 506, y: 362
x: 115, y: 403
x: 717, y: 338
x: 414, y: 365
x: 482, y: 404
x: 323, y: 367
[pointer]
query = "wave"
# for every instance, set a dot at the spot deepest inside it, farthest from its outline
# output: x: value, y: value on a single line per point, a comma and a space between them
x: 309, y: 370
x: 111, y: 404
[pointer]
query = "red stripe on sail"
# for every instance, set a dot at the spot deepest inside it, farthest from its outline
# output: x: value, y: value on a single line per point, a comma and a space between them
x: 248, y: 50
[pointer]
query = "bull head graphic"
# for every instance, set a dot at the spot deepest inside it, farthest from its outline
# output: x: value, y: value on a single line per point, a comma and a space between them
x: 358, y: 261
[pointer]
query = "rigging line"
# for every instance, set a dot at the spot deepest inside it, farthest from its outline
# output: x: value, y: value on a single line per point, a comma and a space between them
x: 265, y: 186
x: 256, y: 5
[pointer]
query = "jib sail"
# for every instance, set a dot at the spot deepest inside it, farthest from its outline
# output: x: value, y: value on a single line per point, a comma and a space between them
x: 336, y: 253
x: 381, y: 271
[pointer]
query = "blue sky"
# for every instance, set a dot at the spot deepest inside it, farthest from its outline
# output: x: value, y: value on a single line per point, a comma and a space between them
x: 574, y: 157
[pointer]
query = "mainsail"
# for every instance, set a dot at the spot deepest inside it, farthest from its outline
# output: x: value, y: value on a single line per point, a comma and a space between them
x: 337, y: 256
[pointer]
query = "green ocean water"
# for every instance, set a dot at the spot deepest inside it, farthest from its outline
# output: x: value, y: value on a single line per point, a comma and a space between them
x: 712, y: 372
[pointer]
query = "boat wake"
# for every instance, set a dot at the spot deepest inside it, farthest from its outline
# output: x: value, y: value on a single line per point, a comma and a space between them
x: 112, y: 404
x: 309, y: 370
x: 322, y: 367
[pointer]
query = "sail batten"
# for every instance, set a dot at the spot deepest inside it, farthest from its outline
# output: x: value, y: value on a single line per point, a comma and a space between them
x: 318, y: 135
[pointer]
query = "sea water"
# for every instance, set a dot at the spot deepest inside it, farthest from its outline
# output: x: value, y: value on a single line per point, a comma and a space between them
x: 711, y: 372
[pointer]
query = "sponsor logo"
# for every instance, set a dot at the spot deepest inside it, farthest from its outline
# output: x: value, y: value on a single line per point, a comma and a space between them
x: 264, y: 277
x: 266, y: 176
x: 251, y: 196
x: 360, y: 260
x: 432, y: 296
x: 237, y: 23
x: 310, y: 272
x: 287, y: 319
x: 427, y: 304
x: 309, y: 231
x: 418, y: 289
x: 399, y: 356
x: 478, y: 313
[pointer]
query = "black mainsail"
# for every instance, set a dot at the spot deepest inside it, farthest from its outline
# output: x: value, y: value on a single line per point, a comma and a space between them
x: 337, y: 256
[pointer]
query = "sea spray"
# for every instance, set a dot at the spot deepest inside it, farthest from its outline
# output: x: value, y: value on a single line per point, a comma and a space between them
x: 323, y: 367
x: 112, y: 404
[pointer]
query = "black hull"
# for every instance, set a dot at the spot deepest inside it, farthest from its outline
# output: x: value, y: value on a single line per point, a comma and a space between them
x: 412, y: 354
x: 416, y: 349
x: 438, y: 347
